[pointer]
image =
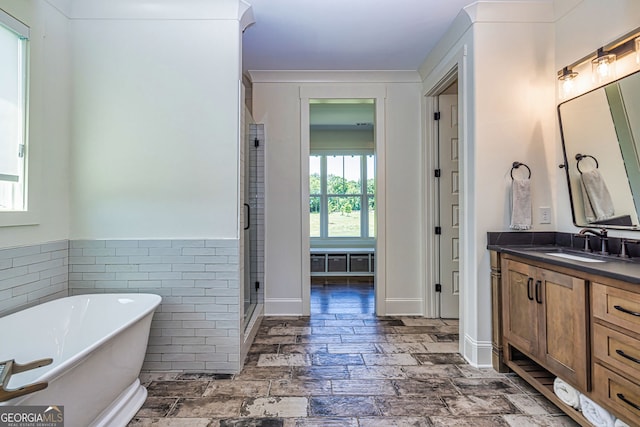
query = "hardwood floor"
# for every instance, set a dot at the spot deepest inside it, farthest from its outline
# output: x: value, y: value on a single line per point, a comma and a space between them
x: 354, y: 297
x: 344, y: 366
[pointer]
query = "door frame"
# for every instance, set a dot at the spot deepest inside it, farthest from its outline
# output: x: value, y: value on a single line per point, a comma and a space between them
x: 432, y: 208
x: 347, y: 91
x: 452, y: 66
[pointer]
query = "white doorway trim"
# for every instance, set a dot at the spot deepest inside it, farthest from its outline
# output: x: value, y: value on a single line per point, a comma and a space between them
x: 452, y: 67
x: 432, y: 308
x: 349, y: 91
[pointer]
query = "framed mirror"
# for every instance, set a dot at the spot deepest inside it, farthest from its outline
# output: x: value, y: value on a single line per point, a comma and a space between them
x: 601, y: 144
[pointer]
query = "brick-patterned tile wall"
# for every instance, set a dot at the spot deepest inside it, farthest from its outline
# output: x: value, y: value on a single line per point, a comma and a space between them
x: 197, y: 325
x: 31, y: 275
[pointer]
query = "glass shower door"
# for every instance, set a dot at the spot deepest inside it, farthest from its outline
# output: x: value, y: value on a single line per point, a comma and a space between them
x: 253, y: 220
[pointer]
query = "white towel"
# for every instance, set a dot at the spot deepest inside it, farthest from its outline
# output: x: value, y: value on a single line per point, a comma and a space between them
x: 566, y: 393
x: 596, y: 414
x: 588, y: 211
x: 620, y: 423
x: 520, y: 204
x: 598, y: 196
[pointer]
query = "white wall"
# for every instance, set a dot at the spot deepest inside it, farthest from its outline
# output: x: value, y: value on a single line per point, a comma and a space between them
x: 49, y: 127
x: 586, y: 27
x: 276, y: 103
x: 277, y: 106
x: 504, y: 55
x: 156, y: 121
x: 405, y: 194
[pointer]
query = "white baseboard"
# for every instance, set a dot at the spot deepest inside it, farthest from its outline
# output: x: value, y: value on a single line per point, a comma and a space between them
x: 477, y: 353
x: 283, y: 307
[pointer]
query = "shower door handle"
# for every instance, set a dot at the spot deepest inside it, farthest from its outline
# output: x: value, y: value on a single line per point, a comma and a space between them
x: 248, y: 216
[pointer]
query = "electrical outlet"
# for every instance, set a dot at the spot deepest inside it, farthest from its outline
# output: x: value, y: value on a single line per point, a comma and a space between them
x: 545, y: 215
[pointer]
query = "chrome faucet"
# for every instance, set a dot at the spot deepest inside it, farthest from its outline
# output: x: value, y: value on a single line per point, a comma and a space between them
x: 602, y: 234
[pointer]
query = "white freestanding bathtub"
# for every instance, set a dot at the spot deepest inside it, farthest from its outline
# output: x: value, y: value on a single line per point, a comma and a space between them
x: 97, y: 343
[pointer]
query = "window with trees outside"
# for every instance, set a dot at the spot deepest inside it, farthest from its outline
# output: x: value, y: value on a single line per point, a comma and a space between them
x: 342, y: 195
x: 13, y: 94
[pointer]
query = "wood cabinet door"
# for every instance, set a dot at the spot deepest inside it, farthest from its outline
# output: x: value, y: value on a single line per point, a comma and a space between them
x: 562, y: 305
x: 519, y: 309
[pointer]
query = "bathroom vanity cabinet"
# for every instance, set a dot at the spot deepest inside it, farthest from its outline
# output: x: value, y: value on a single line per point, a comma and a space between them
x: 616, y: 348
x: 567, y: 321
x: 545, y: 316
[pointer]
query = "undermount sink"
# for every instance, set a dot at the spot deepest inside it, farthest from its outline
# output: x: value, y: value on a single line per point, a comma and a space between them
x: 573, y: 257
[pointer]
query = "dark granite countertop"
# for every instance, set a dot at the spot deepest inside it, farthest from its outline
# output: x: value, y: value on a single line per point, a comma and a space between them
x: 543, y: 247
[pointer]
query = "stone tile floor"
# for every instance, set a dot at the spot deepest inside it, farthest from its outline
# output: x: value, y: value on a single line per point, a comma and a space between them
x: 344, y: 366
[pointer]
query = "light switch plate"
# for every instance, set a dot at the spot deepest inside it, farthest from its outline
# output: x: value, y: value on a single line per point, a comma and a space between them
x: 545, y: 215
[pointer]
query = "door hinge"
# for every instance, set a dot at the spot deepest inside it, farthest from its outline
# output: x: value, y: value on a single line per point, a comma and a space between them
x: 256, y: 143
x: 437, y: 173
x: 21, y: 150
x: 436, y: 116
x: 438, y: 230
x: 257, y: 285
x: 438, y: 287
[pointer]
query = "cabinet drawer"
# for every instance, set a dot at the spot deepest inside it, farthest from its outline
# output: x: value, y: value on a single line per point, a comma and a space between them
x: 337, y: 263
x: 616, y: 306
x: 618, y: 350
x: 359, y: 263
x: 622, y: 395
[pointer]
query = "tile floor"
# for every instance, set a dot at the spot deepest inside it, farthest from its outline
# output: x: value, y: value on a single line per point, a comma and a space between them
x: 344, y: 366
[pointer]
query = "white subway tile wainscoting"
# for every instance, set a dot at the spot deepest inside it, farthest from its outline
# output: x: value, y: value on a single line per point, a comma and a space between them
x: 197, y: 325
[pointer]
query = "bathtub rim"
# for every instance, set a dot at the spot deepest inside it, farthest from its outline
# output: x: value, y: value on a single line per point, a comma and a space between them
x: 58, y: 370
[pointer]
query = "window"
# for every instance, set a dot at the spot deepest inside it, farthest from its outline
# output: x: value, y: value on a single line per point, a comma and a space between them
x: 13, y: 113
x: 342, y: 196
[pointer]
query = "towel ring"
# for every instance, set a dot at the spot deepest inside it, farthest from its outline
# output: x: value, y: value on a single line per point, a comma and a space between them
x: 516, y: 165
x: 580, y: 157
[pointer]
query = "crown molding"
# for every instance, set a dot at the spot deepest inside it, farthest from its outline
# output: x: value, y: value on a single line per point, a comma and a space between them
x: 238, y: 10
x: 348, y: 76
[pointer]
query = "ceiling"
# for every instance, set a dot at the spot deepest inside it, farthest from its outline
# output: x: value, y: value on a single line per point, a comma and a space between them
x: 345, y: 34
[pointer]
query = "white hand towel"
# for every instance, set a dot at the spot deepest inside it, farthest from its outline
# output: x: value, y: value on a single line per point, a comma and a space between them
x: 598, y: 194
x: 620, y: 423
x: 520, y: 204
x: 566, y: 393
x: 596, y: 414
x: 588, y: 210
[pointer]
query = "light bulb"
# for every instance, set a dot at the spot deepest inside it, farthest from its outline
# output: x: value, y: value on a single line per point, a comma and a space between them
x: 567, y: 83
x: 567, y: 88
x: 603, y: 67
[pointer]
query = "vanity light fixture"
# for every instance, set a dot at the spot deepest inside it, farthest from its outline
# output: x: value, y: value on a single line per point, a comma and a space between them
x: 603, y: 66
x: 567, y: 82
x: 603, y: 62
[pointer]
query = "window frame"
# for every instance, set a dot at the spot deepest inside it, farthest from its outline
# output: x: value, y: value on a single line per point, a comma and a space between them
x: 19, y: 215
x: 324, y: 238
